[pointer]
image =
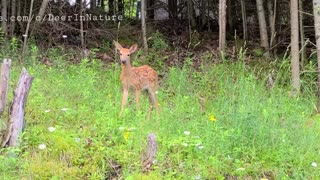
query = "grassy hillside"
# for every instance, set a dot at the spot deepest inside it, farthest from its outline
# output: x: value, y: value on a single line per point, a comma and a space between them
x: 219, y: 121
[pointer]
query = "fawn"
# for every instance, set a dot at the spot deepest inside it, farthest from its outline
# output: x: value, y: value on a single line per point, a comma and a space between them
x: 138, y: 78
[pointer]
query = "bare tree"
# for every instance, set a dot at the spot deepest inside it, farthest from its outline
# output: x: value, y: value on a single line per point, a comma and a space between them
x: 263, y: 27
x: 316, y: 13
x: 294, y: 20
x: 222, y: 24
x: 143, y: 24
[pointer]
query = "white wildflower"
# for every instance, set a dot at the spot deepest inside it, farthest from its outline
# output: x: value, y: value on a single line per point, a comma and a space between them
x: 187, y: 133
x: 64, y: 36
x: 42, y: 146
x: 121, y: 128
x: 200, y: 147
x: 64, y: 109
x: 48, y: 110
x: 51, y: 129
x: 314, y: 164
x: 185, y: 144
x: 77, y: 139
x: 197, y: 177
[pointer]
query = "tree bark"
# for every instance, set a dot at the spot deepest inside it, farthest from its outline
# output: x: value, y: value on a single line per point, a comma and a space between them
x: 111, y: 6
x: 13, y: 13
x: 302, y: 36
x: 120, y: 7
x: 316, y: 13
x: 4, y: 84
x: 25, y: 39
x: 143, y: 24
x: 271, y: 21
x: 173, y: 8
x: 4, y: 12
x: 263, y: 27
x: 204, y: 7
x: 16, y: 113
x: 222, y: 25
x: 43, y: 8
x: 294, y: 20
x: 81, y: 27
x: 244, y: 20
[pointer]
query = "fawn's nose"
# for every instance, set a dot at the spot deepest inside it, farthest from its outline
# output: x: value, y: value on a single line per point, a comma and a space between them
x: 123, y: 61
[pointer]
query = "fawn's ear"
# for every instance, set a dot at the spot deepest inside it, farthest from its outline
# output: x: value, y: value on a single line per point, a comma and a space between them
x: 133, y: 48
x: 117, y: 45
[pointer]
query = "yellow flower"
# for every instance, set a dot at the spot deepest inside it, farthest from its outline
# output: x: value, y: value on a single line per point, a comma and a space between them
x: 263, y: 179
x: 212, y: 118
x: 126, y: 135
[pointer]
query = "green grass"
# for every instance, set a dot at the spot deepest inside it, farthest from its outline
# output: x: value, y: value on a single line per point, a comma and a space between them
x: 257, y: 132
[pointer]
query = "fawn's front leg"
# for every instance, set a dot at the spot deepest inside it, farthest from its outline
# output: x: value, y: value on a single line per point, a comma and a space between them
x: 138, y: 93
x: 124, y: 100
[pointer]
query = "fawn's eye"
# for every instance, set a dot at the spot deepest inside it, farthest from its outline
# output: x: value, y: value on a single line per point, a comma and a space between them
x: 128, y: 54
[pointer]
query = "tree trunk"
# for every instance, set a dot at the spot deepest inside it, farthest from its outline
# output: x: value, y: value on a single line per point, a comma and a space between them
x: 16, y: 113
x: 4, y: 12
x: 204, y: 7
x: 244, y: 20
x: 25, y: 39
x: 191, y: 14
x: 143, y: 24
x: 173, y: 8
x: 294, y: 20
x: 222, y: 25
x: 4, y: 84
x: 43, y: 8
x: 111, y: 6
x: 13, y: 13
x: 316, y: 13
x: 302, y: 36
x: 81, y: 27
x: 120, y: 7
x: 271, y: 21
x: 263, y: 27
x: 19, y: 9
x: 150, y: 9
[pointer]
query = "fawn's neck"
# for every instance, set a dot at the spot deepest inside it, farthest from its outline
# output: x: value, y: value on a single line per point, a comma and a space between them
x: 126, y: 69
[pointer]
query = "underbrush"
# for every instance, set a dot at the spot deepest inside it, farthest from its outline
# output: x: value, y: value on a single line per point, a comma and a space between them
x: 217, y: 122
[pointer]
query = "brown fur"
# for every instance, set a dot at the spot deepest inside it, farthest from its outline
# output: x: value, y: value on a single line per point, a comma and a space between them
x: 138, y: 78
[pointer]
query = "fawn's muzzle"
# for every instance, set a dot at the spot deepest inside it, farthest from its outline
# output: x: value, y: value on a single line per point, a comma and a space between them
x: 123, y: 61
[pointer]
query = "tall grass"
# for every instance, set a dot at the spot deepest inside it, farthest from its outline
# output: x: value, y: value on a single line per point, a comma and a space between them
x: 217, y: 122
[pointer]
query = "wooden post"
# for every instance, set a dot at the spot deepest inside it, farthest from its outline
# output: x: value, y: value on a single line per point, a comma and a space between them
x: 4, y: 83
x: 150, y: 152
x: 16, y: 112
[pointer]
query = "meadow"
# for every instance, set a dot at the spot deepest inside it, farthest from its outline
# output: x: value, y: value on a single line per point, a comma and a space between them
x: 217, y: 121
